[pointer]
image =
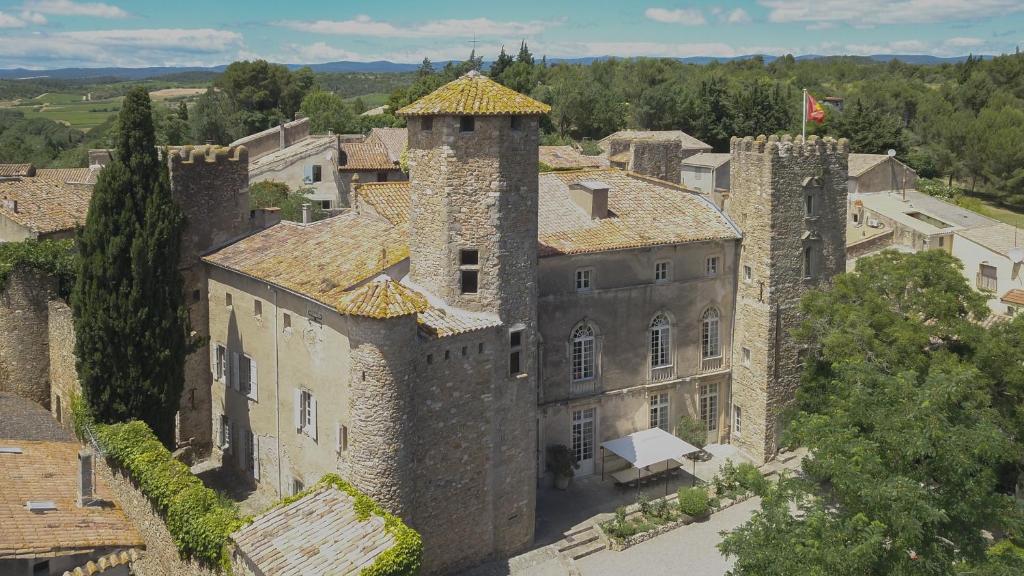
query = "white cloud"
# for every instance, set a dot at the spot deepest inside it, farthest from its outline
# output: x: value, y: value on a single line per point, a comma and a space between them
x: 365, y: 26
x: 895, y: 47
x: 71, y: 8
x: 146, y: 47
x: 316, y: 53
x: 962, y: 42
x: 887, y: 11
x: 821, y: 26
x: 684, y: 16
x: 33, y: 17
x: 8, y: 21
x: 738, y: 16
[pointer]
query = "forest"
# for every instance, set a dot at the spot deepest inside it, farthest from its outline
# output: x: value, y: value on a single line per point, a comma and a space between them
x: 961, y: 124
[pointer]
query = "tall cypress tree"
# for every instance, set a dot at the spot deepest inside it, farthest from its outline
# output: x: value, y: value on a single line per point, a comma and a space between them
x: 131, y: 321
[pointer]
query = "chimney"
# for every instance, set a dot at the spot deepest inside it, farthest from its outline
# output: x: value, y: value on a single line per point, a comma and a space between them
x: 282, y: 143
x: 85, y: 475
x: 11, y: 205
x: 591, y: 196
x: 306, y: 213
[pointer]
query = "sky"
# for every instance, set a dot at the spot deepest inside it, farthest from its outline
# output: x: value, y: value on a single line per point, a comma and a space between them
x: 66, y: 33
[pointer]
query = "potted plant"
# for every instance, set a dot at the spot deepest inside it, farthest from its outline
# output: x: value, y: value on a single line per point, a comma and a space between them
x: 694, y: 432
x: 562, y: 465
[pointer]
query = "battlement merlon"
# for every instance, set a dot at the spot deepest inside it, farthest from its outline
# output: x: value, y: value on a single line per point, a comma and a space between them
x: 788, y: 145
x: 208, y: 154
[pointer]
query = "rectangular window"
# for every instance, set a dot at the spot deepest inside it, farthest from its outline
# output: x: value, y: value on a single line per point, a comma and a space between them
x: 219, y: 368
x: 342, y: 443
x: 942, y: 241
x: 467, y: 124
x: 307, y: 410
x: 583, y: 358
x: 297, y: 486
x: 382, y: 176
x: 56, y: 408
x: 227, y: 299
x: 516, y: 122
x: 583, y: 433
x: 250, y: 453
x: 317, y: 173
x: 287, y: 321
x: 737, y: 420
x: 257, y: 308
x: 748, y: 273
x: 225, y: 432
x: 809, y: 205
x: 305, y: 413
x: 583, y: 280
x: 659, y: 411
x: 709, y: 406
x: 324, y: 204
x: 808, y: 262
x: 246, y: 376
x: 746, y: 356
x: 661, y: 271
x: 427, y: 123
x: 711, y: 266
x: 988, y: 277
x: 469, y: 271
x: 660, y: 342
x: 515, y: 354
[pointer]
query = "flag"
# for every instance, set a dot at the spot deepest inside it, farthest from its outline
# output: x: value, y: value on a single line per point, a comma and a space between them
x: 814, y: 112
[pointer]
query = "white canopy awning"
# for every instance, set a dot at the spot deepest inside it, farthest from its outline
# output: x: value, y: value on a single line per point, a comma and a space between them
x: 647, y: 447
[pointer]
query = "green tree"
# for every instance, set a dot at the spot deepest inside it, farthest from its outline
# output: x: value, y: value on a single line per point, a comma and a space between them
x: 327, y: 111
x: 501, y: 64
x: 271, y: 194
x: 868, y: 130
x: 183, y: 110
x: 131, y: 321
x: 213, y: 119
x: 524, y: 56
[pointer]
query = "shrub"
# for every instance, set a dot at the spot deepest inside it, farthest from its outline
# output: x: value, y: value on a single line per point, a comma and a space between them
x: 693, y: 501
x: 197, y: 518
x: 53, y: 257
x: 692, y: 431
x: 561, y: 461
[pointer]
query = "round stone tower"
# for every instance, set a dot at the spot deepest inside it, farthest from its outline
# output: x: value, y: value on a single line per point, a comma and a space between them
x: 24, y: 338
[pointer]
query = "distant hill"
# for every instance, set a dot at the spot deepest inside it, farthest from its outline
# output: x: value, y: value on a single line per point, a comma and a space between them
x: 383, y: 66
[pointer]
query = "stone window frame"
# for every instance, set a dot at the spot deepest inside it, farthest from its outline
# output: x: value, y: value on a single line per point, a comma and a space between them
x: 306, y: 412
x: 710, y: 342
x: 660, y: 328
x: 705, y: 394
x: 426, y: 123
x: 712, y: 265
x: 745, y: 356
x: 659, y: 409
x: 469, y: 269
x: 584, y: 279
x: 516, y: 345
x: 809, y: 260
x: 515, y: 123
x: 748, y: 273
x: 583, y: 353
x: 257, y: 308
x: 737, y: 420
x: 219, y: 357
x: 467, y: 124
x: 226, y: 429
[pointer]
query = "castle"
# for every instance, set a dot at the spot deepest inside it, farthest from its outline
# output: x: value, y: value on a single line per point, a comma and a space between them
x: 431, y: 342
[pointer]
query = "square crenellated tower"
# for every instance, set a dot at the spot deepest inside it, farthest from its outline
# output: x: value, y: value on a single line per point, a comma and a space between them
x: 789, y: 199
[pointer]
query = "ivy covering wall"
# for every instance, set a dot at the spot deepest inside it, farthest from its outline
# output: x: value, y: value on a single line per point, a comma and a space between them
x: 54, y: 257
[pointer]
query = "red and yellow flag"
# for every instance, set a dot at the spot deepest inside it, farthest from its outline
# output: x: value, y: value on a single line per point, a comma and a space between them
x: 814, y: 112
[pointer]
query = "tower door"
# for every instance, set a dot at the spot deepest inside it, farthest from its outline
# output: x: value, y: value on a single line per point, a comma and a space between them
x: 709, y: 410
x: 583, y: 439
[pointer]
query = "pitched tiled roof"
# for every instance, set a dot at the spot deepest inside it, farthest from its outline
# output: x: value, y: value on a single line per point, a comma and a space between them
x: 393, y: 139
x: 642, y: 212
x: 861, y: 163
x: 23, y: 419
x: 43, y: 206
x: 69, y: 175
x: 108, y: 562
x: 368, y: 155
x: 1015, y: 296
x: 443, y: 322
x: 13, y: 170
x: 279, y: 159
x: 320, y: 260
x: 708, y: 159
x: 998, y: 237
x: 388, y: 199
x: 381, y: 298
x: 320, y: 533
x: 688, y: 142
x: 569, y: 158
x: 477, y: 95
x: 48, y: 471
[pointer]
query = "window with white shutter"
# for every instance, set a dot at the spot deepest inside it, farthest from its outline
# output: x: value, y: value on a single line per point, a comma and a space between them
x: 253, y: 386
x: 234, y: 370
x: 305, y: 413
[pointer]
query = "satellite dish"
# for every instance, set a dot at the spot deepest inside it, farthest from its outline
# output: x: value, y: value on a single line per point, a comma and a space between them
x: 1016, y: 255
x: 891, y: 153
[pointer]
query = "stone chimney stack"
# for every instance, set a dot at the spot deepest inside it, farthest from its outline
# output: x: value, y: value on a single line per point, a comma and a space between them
x: 592, y: 197
x: 86, y: 489
x: 307, y: 216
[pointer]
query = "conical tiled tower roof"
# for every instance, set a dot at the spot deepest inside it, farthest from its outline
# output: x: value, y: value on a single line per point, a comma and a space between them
x: 382, y: 298
x: 474, y: 95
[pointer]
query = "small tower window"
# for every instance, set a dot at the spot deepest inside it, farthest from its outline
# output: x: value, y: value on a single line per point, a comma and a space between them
x: 808, y: 262
x: 515, y: 352
x: 809, y: 205
x: 467, y: 123
x: 427, y: 123
x: 516, y: 123
x: 469, y: 270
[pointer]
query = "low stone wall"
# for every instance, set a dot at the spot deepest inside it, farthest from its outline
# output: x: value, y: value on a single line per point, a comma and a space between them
x: 161, y: 555
x: 63, y: 374
x: 620, y: 545
x: 868, y: 245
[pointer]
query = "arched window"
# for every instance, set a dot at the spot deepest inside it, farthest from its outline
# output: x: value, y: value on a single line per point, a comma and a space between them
x: 711, y: 344
x: 661, y: 340
x: 583, y: 353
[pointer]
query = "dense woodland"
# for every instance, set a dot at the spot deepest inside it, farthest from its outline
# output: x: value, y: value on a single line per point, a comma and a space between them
x: 961, y: 123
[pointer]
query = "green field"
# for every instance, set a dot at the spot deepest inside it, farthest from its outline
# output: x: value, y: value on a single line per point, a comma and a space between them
x: 990, y: 209
x: 76, y: 114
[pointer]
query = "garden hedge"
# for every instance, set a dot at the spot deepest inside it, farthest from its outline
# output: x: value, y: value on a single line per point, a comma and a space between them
x: 54, y: 257
x: 693, y: 501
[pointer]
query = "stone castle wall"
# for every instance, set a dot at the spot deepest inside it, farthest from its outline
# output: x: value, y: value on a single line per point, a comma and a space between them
x: 273, y: 139
x: 661, y: 159
x: 24, y: 336
x: 63, y: 373
x: 211, y: 184
x: 770, y: 181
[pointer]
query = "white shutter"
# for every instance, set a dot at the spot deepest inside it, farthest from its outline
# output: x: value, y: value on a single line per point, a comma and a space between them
x: 256, y: 456
x: 312, y: 400
x: 234, y: 371
x: 298, y: 409
x: 252, y: 380
x: 213, y: 359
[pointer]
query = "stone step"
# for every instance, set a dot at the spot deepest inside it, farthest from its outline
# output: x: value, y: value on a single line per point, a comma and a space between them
x: 577, y: 541
x: 587, y: 550
x: 578, y: 529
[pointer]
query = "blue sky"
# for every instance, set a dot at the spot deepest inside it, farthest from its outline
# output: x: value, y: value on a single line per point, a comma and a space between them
x: 55, y: 33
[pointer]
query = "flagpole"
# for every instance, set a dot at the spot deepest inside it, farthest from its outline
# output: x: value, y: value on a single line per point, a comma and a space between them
x: 803, y: 116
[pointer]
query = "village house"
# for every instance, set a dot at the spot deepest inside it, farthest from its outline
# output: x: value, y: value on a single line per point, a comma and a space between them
x: 569, y: 158
x: 879, y: 173
x: 430, y: 343
x: 48, y: 204
x: 54, y: 515
x: 376, y: 157
x: 657, y: 153
x: 993, y: 258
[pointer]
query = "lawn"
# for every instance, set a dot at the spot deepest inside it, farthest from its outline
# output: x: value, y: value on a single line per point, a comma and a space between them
x: 989, y: 208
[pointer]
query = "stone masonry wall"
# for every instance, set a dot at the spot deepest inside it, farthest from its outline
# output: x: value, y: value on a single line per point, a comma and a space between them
x: 661, y: 159
x: 63, y: 374
x: 770, y: 181
x: 211, y: 184
x: 24, y: 334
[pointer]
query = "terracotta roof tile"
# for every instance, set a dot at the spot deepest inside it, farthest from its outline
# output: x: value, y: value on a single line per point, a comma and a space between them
x: 368, y: 155
x: 319, y: 533
x: 321, y: 260
x: 477, y: 95
x: 48, y: 471
x: 85, y: 176
x: 1015, y: 296
x: 688, y: 142
x: 13, y: 170
x: 393, y: 139
x: 569, y: 158
x: 112, y: 560
x: 861, y: 163
x: 382, y: 298
x: 44, y: 206
x: 388, y: 199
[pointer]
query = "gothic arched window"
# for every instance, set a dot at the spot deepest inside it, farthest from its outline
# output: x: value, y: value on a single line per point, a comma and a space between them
x: 711, y: 344
x: 583, y: 356
x: 661, y: 340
